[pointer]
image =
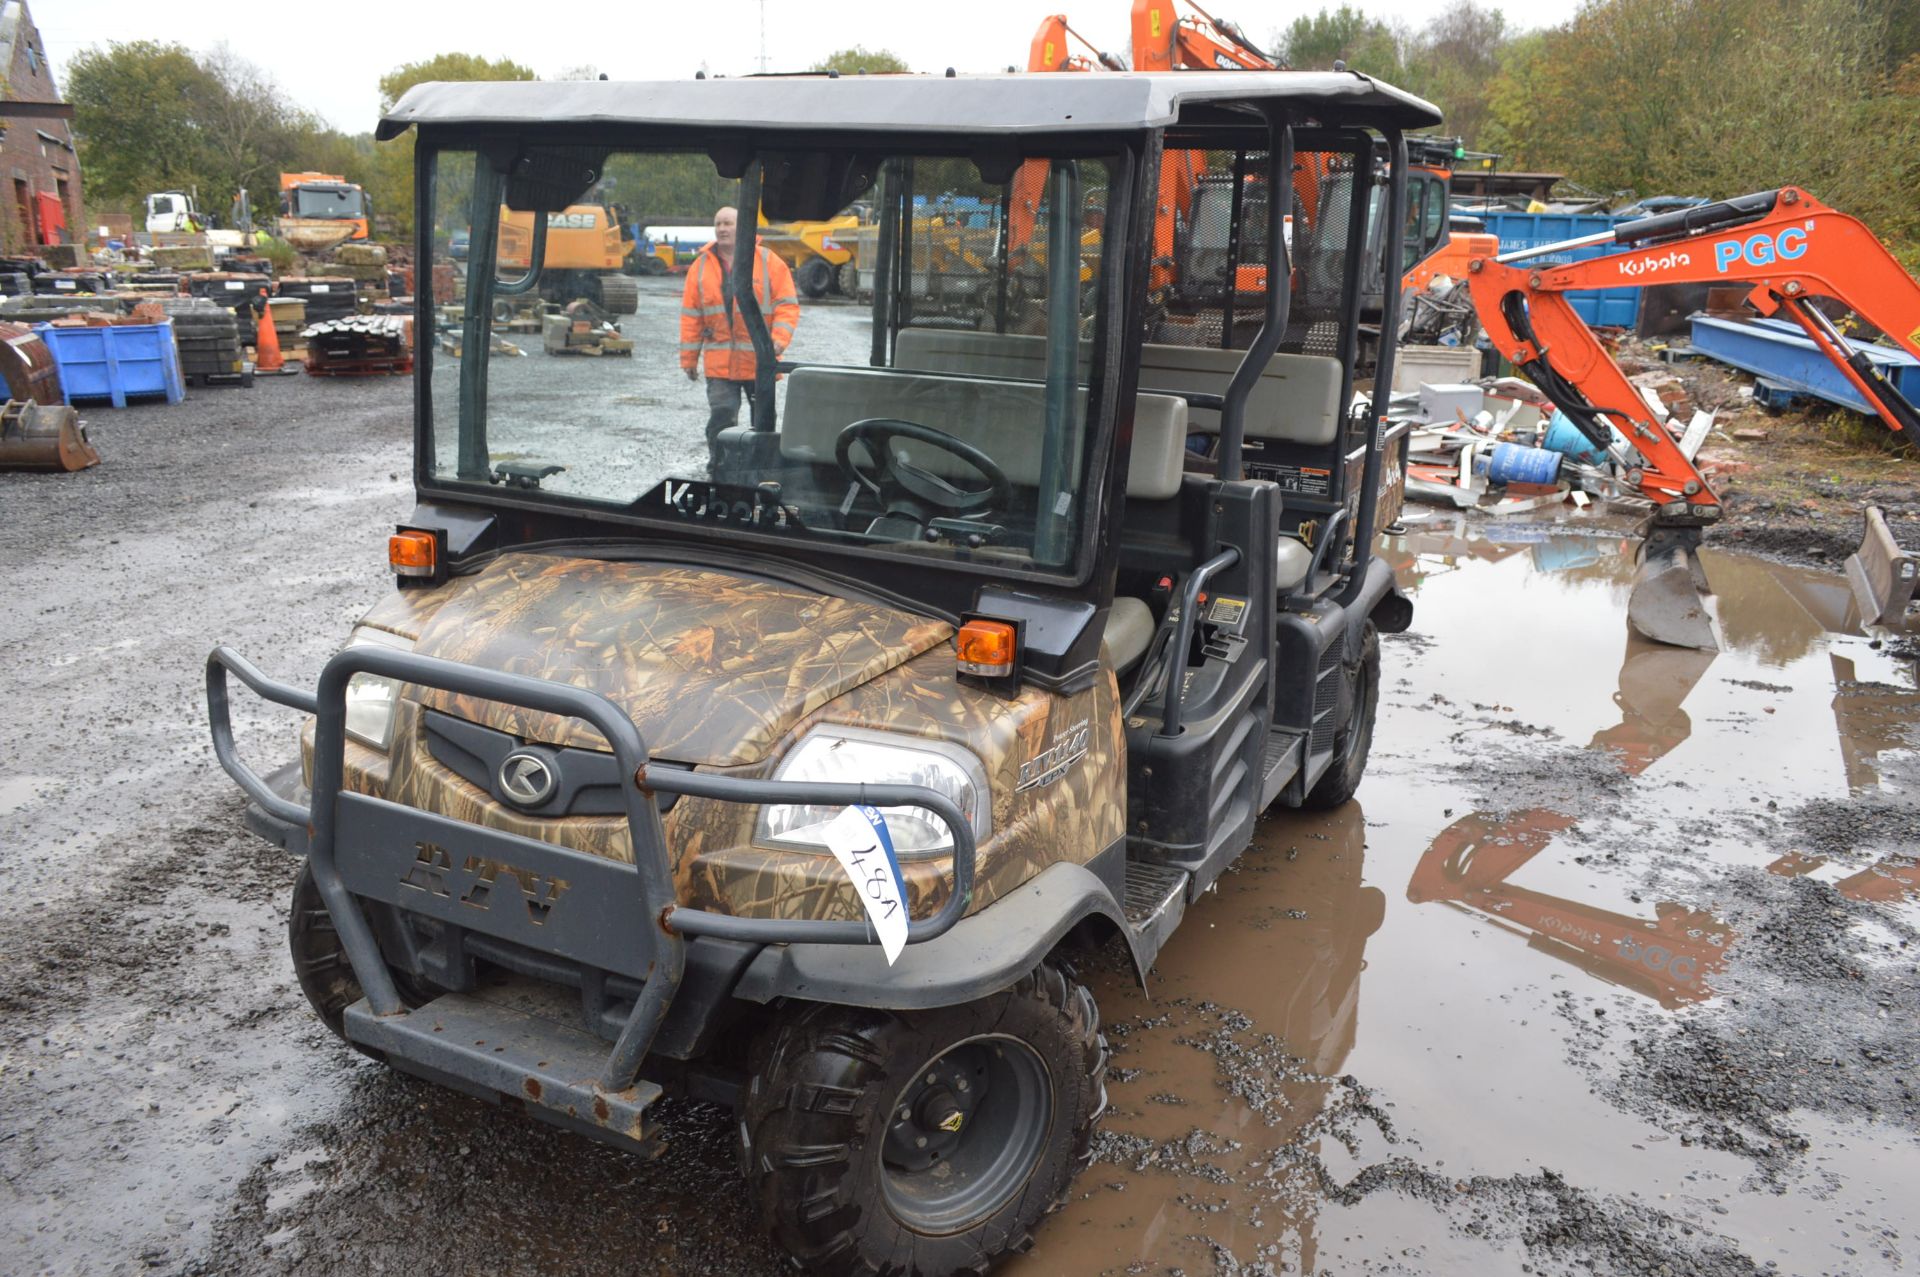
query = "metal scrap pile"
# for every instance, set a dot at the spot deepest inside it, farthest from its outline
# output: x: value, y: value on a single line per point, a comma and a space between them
x: 1497, y: 445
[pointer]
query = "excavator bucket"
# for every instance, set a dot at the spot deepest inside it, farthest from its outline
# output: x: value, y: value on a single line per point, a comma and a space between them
x: 37, y: 437
x: 1669, y: 599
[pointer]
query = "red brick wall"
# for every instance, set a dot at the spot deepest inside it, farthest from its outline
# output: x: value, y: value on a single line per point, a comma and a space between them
x: 36, y: 155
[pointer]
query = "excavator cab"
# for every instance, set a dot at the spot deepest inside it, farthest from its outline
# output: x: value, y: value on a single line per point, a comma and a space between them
x: 768, y: 716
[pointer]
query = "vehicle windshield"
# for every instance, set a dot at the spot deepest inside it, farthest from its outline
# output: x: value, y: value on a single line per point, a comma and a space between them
x: 929, y: 324
x: 326, y: 202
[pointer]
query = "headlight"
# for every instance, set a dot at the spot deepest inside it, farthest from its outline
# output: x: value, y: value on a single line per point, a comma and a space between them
x: 850, y: 754
x: 370, y: 697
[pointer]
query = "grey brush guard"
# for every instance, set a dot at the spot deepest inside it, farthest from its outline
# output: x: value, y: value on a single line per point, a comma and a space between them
x: 614, y: 917
x: 970, y: 105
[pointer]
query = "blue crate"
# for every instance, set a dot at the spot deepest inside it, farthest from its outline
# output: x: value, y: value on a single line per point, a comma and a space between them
x: 115, y: 363
x: 1602, y: 307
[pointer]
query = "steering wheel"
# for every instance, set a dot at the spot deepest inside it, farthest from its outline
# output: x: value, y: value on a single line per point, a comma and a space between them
x: 906, y: 489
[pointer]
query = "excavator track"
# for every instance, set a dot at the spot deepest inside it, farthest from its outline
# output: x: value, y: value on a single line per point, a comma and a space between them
x: 619, y: 294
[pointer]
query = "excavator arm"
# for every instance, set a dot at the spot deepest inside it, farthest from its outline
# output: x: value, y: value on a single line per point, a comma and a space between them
x: 1050, y: 50
x: 1164, y: 40
x: 1785, y: 243
x: 1791, y: 248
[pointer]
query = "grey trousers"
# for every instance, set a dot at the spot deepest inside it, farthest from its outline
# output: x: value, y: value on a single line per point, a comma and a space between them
x: 723, y: 410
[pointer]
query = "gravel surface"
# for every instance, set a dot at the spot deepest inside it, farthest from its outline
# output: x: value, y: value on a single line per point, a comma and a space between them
x: 1611, y: 967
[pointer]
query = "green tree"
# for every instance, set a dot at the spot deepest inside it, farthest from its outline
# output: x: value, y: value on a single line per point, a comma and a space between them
x: 392, y: 182
x: 153, y: 117
x: 1314, y: 42
x: 859, y: 59
x: 133, y: 112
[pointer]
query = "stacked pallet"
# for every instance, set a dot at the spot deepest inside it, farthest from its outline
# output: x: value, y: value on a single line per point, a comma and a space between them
x: 366, y: 266
x: 208, y: 339
x: 231, y: 289
x: 289, y: 321
x: 59, y: 282
x: 364, y: 346
x: 327, y: 296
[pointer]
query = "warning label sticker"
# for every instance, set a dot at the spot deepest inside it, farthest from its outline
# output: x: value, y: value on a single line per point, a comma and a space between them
x: 1308, y: 481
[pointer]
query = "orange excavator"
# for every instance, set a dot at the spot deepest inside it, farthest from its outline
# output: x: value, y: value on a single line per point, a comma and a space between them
x: 1791, y: 249
x: 1190, y: 232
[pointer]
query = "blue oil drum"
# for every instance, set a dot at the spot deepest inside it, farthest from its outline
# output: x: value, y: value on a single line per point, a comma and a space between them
x: 1515, y: 463
x: 1565, y: 437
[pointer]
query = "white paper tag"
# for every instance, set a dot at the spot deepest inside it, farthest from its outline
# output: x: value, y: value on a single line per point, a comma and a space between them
x: 235, y: 285
x: 320, y: 288
x: 859, y: 840
x: 65, y: 283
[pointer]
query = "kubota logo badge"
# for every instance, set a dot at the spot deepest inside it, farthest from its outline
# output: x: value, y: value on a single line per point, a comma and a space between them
x: 526, y: 779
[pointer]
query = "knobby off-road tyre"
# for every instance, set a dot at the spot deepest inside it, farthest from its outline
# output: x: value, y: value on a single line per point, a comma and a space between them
x: 853, y: 1152
x: 815, y: 277
x: 845, y: 279
x: 1355, y: 741
x: 321, y: 967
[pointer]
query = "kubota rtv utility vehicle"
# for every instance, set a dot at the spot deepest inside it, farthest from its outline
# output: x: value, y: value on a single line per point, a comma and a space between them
x: 793, y: 775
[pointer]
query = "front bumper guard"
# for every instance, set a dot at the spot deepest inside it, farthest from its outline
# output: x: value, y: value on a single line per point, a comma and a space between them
x: 601, y: 913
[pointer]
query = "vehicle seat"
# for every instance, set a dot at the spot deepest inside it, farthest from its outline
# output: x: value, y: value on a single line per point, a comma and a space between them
x: 1153, y: 474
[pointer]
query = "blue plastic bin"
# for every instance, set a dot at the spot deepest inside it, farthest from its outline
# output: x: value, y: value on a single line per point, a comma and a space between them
x: 1603, y: 307
x: 115, y: 363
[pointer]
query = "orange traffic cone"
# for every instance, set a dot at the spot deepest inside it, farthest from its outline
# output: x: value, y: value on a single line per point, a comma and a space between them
x: 266, y: 344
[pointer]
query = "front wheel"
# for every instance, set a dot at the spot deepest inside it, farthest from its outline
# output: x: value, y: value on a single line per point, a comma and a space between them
x: 320, y: 962
x: 1355, y: 739
x: 815, y: 277
x: 923, y: 1142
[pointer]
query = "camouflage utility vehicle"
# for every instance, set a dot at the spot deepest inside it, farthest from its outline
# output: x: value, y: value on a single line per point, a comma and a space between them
x: 791, y: 774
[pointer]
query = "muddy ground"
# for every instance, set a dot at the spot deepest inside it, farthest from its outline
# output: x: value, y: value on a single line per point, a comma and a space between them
x: 1611, y: 967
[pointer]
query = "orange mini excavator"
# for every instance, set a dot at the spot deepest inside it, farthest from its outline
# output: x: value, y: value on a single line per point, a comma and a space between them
x: 1792, y: 249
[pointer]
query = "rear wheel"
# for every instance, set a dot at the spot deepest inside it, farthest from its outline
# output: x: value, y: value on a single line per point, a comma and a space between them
x: 1355, y: 741
x: 845, y: 279
x: 923, y: 1142
x: 815, y: 277
x: 320, y: 961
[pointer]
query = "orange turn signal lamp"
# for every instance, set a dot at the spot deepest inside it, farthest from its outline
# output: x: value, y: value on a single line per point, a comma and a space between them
x: 413, y: 553
x: 987, y: 649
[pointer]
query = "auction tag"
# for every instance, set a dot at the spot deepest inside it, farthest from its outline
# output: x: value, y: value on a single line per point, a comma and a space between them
x: 235, y: 285
x: 65, y: 283
x: 859, y: 840
x: 320, y: 288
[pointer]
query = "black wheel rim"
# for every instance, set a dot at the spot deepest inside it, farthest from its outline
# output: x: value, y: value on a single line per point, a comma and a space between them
x: 965, y: 1134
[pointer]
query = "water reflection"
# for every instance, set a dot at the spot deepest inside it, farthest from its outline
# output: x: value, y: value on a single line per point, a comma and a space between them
x: 1226, y: 1080
x: 1669, y: 958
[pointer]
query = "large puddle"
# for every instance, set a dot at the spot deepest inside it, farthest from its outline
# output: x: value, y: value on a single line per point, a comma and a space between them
x: 1375, y: 1047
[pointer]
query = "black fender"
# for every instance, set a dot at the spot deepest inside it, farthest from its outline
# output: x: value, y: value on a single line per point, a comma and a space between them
x: 987, y: 951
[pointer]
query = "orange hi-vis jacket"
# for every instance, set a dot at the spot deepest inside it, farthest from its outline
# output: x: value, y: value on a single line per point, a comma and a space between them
x: 707, y: 322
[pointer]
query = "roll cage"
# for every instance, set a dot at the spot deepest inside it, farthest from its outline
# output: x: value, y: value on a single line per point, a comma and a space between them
x: 1134, y: 119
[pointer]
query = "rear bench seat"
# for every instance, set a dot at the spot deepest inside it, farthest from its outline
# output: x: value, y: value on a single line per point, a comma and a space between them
x: 999, y: 417
x: 1296, y: 400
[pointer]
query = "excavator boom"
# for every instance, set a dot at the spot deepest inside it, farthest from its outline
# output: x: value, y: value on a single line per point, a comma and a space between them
x: 1791, y: 248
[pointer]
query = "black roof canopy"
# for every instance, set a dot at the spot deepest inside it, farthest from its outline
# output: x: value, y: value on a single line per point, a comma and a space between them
x: 1098, y: 102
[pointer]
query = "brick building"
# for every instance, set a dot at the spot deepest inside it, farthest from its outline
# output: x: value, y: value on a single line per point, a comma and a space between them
x: 39, y: 171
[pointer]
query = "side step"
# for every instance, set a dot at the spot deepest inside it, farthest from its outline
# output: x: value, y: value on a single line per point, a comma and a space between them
x: 1283, y: 759
x: 504, y: 1052
x: 1156, y: 900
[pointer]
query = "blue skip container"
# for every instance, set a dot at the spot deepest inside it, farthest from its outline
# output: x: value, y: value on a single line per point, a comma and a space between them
x: 115, y: 363
x: 1516, y: 463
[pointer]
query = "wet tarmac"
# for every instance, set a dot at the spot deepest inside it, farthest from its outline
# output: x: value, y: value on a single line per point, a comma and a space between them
x: 1610, y: 968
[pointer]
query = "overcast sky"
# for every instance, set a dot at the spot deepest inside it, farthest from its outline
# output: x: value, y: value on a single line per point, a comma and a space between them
x: 333, y: 65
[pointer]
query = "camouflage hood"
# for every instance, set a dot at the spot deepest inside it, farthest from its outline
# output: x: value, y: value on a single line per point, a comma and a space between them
x: 715, y: 668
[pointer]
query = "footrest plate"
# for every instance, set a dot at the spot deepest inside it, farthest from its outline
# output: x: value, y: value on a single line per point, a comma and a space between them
x: 499, y: 1051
